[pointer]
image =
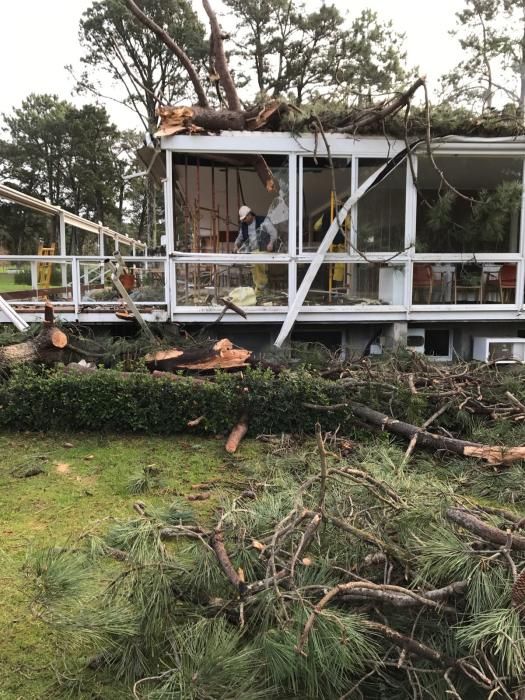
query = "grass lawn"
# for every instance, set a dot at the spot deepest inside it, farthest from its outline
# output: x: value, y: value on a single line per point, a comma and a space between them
x: 82, y: 489
x: 8, y: 284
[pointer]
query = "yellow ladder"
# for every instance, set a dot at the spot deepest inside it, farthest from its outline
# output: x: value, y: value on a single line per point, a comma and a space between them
x: 45, y: 270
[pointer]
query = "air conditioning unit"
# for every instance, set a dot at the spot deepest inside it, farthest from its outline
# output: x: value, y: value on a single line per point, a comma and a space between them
x: 416, y: 340
x: 500, y: 350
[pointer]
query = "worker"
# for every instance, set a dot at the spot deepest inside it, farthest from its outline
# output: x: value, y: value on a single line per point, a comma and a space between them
x: 257, y: 234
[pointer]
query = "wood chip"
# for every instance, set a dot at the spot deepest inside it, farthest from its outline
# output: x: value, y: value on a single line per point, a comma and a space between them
x: 198, y: 496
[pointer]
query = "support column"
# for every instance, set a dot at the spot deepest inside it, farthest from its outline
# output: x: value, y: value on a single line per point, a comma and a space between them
x: 62, y: 245
x: 395, y: 335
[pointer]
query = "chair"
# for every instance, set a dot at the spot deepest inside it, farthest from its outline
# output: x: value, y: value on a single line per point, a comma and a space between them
x: 422, y: 279
x: 469, y: 279
x: 503, y: 282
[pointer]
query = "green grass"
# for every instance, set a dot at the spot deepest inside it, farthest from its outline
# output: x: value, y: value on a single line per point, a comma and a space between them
x: 65, y: 501
x: 7, y: 283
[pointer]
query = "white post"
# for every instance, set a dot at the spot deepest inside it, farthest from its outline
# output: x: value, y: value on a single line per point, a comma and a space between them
x: 34, y: 274
x: 77, y: 295
x: 170, y: 274
x: 520, y: 272
x: 410, y: 230
x: 294, y: 196
x: 101, y: 251
x: 63, y: 250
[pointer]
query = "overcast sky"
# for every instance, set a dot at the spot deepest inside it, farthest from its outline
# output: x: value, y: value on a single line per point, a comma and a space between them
x: 39, y: 37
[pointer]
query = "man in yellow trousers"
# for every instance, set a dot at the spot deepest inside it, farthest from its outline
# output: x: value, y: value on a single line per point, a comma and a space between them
x: 257, y: 234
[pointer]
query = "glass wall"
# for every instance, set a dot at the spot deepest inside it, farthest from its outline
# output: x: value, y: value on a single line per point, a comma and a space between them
x: 474, y: 207
x: 245, y: 284
x: 32, y: 281
x: 381, y: 211
x: 464, y: 283
x: 209, y: 193
x: 318, y: 201
x: 355, y: 284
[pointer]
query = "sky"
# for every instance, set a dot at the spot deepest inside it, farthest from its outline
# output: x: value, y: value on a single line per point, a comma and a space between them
x: 38, y: 38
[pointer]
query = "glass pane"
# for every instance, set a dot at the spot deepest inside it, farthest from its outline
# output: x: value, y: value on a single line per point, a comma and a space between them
x: 35, y: 282
x: 464, y: 283
x: 23, y: 231
x: 381, y: 212
x: 355, y: 284
x: 481, y: 216
x: 245, y: 285
x: 319, y: 200
x: 209, y: 195
x: 144, y: 282
x: 80, y: 242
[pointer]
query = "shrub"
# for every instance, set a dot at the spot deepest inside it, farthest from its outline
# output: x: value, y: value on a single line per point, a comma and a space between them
x: 40, y: 399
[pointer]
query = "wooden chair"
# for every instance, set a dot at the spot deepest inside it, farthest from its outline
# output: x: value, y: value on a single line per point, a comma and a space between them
x: 503, y: 282
x: 422, y: 279
x: 469, y: 279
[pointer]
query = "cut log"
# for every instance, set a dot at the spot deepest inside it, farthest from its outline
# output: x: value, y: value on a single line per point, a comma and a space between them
x: 220, y: 355
x: 236, y: 435
x: 45, y: 347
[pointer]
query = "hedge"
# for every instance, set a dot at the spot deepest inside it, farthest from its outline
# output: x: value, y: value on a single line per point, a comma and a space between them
x: 36, y: 399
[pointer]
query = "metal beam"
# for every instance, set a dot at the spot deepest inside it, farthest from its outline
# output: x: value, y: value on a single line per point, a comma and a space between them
x: 67, y: 218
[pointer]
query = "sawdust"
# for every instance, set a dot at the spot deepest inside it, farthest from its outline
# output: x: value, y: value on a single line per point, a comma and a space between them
x: 62, y: 468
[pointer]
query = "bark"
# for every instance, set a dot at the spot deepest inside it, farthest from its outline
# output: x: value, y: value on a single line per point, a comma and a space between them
x: 487, y: 532
x: 221, y: 64
x: 45, y: 347
x: 172, y: 46
x: 236, y: 435
x: 220, y: 355
x: 225, y: 562
x: 194, y: 119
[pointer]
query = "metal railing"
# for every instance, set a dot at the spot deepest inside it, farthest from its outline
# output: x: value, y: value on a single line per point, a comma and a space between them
x: 83, y: 281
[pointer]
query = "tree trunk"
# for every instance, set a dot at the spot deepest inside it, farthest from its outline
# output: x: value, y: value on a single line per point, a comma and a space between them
x: 195, y: 119
x: 45, y: 347
x: 221, y: 355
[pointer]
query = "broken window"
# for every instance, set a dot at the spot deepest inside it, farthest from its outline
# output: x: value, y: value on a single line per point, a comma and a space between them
x: 477, y: 212
x: 209, y: 192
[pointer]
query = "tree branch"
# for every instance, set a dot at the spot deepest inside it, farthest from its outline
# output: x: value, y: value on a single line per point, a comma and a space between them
x: 172, y: 46
x: 221, y: 63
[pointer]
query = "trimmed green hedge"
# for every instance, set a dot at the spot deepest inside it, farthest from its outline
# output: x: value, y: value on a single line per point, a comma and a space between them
x: 36, y: 399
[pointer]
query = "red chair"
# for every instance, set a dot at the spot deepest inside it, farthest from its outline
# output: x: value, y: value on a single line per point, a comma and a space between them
x: 422, y: 279
x: 504, y: 282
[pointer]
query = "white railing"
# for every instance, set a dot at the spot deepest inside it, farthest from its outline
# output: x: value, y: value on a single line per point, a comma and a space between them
x: 84, y: 281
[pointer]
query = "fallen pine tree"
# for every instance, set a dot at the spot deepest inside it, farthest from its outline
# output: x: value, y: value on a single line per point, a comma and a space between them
x: 335, y: 577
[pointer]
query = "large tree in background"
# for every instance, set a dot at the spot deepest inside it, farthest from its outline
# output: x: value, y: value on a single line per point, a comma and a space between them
x: 290, y: 52
x: 116, y: 45
x: 492, y: 38
x: 74, y: 157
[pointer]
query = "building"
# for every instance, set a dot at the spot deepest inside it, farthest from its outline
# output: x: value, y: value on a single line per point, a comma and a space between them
x: 432, y: 256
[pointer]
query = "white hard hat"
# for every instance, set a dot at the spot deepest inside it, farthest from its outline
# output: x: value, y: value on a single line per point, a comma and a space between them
x: 243, y: 212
